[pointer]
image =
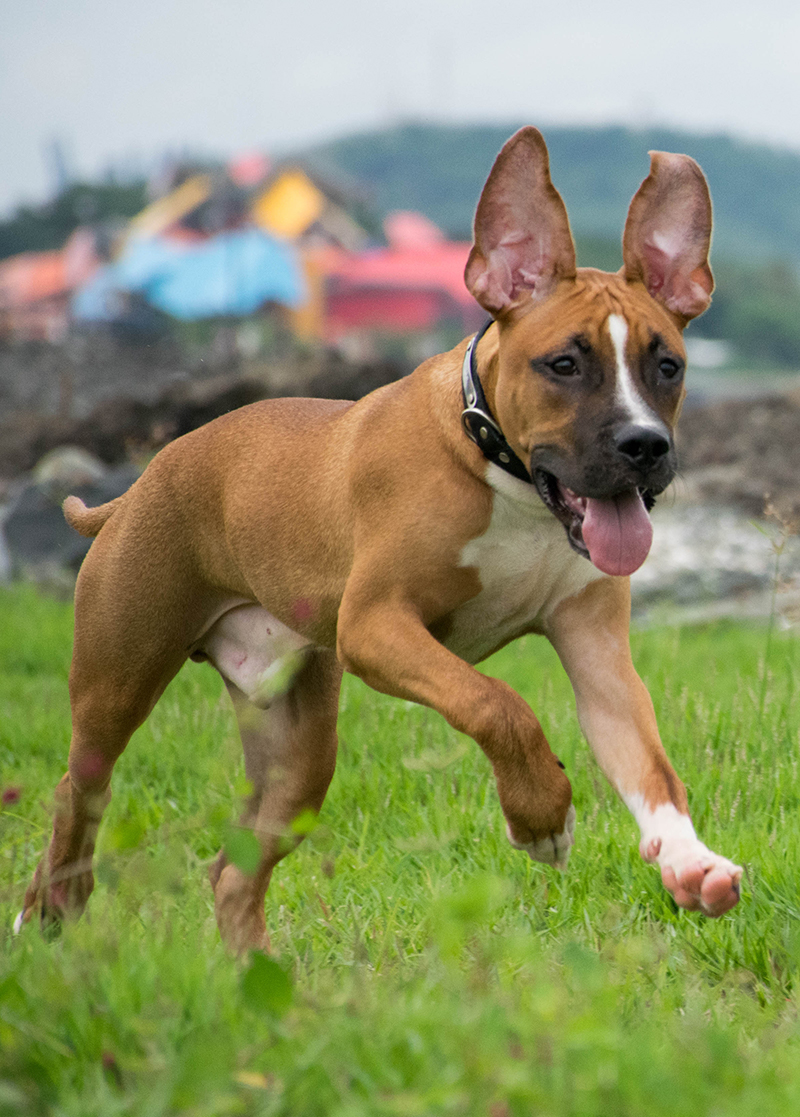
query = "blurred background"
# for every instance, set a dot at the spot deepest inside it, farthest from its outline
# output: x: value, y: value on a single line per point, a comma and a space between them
x: 203, y: 205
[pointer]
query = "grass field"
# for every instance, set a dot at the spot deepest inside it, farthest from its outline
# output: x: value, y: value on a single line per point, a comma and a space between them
x: 422, y: 966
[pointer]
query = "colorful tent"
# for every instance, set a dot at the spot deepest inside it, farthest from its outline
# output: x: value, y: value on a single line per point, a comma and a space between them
x: 166, y: 211
x: 234, y: 273
x: 33, y: 276
x: 35, y: 287
x: 289, y: 205
x: 414, y: 284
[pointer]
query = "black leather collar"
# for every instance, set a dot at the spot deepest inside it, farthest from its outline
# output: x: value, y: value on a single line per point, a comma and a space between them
x: 478, y: 421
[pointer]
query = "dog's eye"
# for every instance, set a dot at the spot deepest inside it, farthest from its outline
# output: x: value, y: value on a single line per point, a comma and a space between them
x: 669, y: 368
x: 564, y: 366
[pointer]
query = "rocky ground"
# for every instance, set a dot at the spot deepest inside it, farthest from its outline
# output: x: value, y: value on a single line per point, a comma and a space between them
x: 710, y: 560
x: 743, y: 452
x: 725, y: 533
x: 126, y: 403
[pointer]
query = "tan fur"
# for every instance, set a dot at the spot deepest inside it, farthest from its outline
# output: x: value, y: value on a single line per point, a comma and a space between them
x: 292, y: 539
x: 88, y: 521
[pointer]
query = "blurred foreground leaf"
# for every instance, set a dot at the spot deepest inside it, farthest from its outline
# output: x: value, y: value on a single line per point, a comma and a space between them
x: 243, y: 849
x: 460, y: 914
x: 126, y: 833
x: 304, y: 823
x: 266, y: 987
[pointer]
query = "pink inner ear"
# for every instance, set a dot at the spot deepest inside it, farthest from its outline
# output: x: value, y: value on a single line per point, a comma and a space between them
x: 492, y: 285
x: 666, y: 263
x: 657, y: 265
x: 522, y: 261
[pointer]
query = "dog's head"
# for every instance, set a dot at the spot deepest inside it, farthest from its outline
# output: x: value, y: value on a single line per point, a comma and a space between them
x: 587, y: 383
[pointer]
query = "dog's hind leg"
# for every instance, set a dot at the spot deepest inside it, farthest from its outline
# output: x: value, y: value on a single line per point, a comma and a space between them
x: 105, y: 714
x: 290, y: 756
x: 132, y: 632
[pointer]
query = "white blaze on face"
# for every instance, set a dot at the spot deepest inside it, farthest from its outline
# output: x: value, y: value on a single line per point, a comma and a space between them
x: 629, y: 399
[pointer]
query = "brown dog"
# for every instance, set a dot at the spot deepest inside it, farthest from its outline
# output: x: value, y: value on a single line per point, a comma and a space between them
x: 293, y: 539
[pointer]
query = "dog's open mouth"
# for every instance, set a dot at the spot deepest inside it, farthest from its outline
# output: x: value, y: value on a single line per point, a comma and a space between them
x: 614, y: 533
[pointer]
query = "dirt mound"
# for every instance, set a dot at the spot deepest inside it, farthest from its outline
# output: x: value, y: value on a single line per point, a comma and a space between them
x: 124, y: 424
x: 117, y: 427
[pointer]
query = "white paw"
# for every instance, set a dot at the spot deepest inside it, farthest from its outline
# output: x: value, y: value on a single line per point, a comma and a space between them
x: 18, y: 923
x: 553, y: 850
x: 681, y: 854
x: 698, y: 879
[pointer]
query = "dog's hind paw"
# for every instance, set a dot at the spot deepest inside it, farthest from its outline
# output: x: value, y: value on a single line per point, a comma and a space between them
x: 553, y: 850
x: 18, y: 923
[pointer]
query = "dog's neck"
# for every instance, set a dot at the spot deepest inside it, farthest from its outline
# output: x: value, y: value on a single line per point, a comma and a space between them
x: 478, y: 421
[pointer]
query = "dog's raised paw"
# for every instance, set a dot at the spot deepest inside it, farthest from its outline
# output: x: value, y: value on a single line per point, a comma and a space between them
x: 553, y: 850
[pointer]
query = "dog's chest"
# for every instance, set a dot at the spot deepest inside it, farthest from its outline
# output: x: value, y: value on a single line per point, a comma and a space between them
x: 525, y: 565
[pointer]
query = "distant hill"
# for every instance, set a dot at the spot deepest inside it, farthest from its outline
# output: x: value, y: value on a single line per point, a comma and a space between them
x: 439, y: 169
x: 43, y: 227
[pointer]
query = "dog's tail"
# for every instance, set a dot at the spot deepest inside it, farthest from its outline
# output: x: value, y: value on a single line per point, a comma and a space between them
x: 88, y: 521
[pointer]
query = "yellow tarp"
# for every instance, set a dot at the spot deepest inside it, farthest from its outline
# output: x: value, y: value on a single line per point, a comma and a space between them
x: 162, y: 213
x: 289, y: 206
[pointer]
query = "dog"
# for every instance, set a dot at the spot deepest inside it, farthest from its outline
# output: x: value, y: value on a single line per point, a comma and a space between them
x: 500, y: 489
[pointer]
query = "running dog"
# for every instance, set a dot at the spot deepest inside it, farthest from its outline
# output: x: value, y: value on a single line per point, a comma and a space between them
x: 502, y: 488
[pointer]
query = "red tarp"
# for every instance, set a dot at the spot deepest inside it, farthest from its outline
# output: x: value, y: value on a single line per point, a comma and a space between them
x: 34, y: 276
x: 411, y: 285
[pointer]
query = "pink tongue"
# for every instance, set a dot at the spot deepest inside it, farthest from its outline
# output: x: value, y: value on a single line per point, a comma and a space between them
x: 618, y: 533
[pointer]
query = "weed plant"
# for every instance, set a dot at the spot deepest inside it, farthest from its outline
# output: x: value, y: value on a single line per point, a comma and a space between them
x: 421, y: 966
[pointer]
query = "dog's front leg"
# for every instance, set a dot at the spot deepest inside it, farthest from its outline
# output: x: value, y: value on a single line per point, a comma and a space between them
x: 388, y: 646
x: 590, y: 634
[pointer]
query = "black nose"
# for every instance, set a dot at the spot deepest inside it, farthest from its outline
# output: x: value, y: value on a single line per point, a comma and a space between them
x: 644, y: 447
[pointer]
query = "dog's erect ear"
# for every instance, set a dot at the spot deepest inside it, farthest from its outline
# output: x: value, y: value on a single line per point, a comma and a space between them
x: 668, y: 235
x: 523, y: 245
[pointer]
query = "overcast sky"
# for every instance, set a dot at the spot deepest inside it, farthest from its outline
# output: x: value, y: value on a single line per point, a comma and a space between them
x: 125, y: 80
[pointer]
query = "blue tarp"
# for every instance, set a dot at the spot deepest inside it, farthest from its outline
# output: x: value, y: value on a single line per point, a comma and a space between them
x: 100, y: 299
x: 232, y: 274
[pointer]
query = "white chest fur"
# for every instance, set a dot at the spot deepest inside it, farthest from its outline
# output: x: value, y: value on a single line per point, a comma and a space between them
x: 526, y: 567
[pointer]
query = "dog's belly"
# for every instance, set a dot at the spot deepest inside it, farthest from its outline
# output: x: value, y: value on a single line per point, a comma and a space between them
x: 254, y: 651
x: 526, y: 567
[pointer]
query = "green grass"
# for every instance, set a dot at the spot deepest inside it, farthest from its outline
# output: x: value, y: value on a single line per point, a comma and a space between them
x: 434, y: 970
